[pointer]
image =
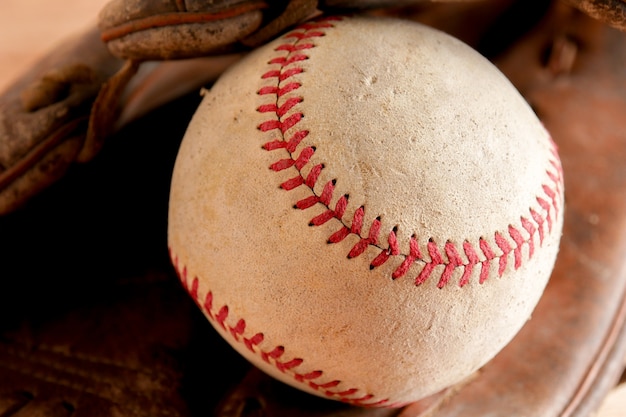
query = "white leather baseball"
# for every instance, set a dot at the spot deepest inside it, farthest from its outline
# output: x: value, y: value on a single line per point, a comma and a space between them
x: 366, y: 209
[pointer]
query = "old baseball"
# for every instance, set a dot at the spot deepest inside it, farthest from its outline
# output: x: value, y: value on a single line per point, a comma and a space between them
x: 366, y: 209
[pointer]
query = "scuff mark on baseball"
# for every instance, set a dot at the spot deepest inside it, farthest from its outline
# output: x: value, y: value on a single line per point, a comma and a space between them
x: 366, y: 209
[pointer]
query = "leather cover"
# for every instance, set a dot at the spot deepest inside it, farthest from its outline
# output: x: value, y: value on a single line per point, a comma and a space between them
x: 94, y: 322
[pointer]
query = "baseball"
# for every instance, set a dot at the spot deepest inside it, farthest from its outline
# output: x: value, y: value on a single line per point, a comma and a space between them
x: 366, y: 209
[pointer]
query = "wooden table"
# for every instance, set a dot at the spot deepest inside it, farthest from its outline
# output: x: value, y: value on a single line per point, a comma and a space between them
x: 29, y: 28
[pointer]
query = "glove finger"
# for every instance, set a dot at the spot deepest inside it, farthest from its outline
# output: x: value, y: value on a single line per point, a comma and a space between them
x: 44, y: 116
x: 144, y: 30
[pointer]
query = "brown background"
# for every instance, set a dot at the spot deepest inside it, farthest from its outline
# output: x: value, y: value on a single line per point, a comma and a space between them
x: 30, y: 28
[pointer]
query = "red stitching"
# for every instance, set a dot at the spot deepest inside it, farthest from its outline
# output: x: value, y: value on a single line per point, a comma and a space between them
x: 473, y: 260
x: 414, y: 253
x: 454, y: 262
x: 531, y: 229
x: 519, y: 241
x: 275, y: 356
x: 533, y: 224
x: 283, y: 122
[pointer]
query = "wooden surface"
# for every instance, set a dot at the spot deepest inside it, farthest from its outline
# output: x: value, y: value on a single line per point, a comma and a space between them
x: 29, y: 28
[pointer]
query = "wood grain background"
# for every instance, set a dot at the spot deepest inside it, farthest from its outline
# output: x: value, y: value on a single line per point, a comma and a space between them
x: 30, y: 28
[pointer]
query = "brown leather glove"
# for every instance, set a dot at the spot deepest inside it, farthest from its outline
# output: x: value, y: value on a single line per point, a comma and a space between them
x: 133, y: 344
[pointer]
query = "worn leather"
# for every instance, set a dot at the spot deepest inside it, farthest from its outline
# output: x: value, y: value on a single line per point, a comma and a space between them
x: 578, y: 88
x: 571, y: 352
x: 143, y: 30
x: 93, y: 322
x: 104, y: 329
x: 611, y: 12
x: 45, y: 113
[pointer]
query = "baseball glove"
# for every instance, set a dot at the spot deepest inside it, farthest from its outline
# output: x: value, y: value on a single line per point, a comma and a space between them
x: 132, y: 342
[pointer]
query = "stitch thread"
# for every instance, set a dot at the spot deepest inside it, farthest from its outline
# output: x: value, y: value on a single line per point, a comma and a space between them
x: 276, y: 356
x: 534, y: 223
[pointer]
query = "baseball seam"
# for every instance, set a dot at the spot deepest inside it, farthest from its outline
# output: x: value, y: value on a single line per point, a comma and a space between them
x: 286, y: 116
x: 275, y: 356
x: 481, y: 255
